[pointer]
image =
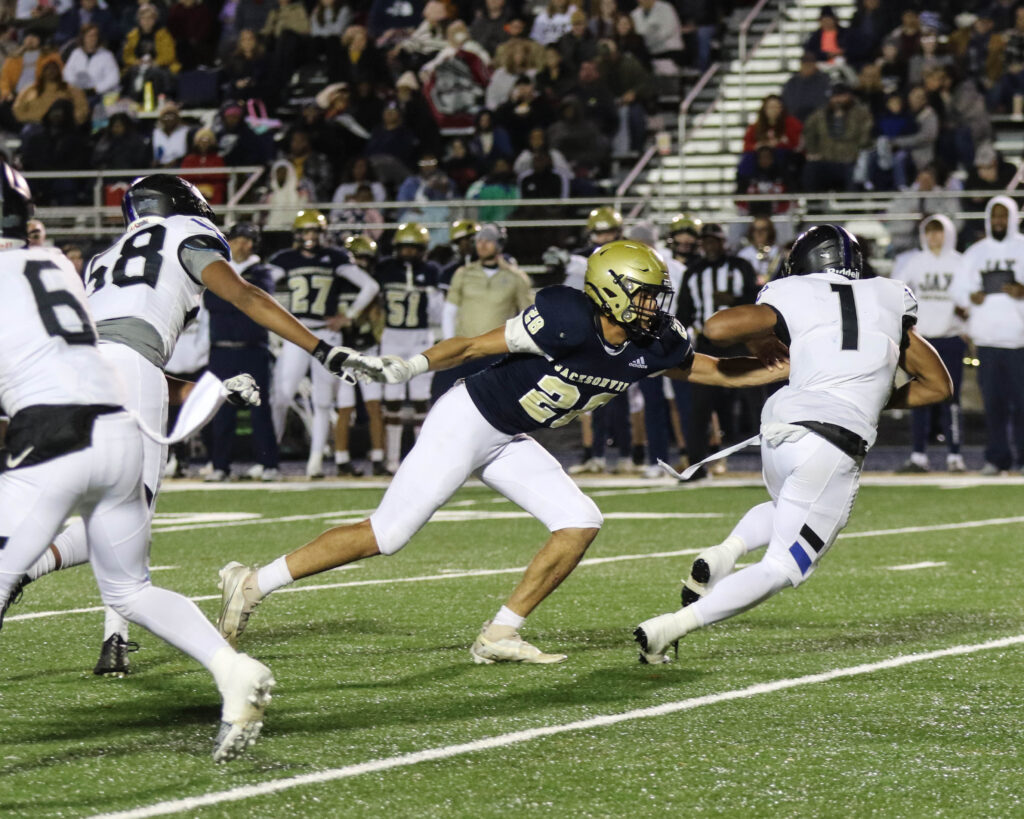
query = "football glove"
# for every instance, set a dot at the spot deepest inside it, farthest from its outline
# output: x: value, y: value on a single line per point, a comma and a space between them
x: 241, y: 391
x: 398, y: 370
x: 336, y: 359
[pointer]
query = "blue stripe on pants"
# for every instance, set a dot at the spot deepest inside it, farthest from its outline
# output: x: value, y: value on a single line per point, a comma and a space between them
x: 801, y: 558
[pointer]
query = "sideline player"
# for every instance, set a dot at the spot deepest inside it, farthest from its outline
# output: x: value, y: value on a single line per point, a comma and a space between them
x: 846, y: 336
x: 141, y: 291
x: 409, y: 287
x: 316, y: 276
x: 72, y: 449
x: 569, y: 352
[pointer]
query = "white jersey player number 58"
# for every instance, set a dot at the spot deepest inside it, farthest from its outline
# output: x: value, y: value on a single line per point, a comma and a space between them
x: 139, y: 262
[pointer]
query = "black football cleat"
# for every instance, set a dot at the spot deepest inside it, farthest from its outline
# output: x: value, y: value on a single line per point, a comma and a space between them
x: 113, y: 661
x: 379, y: 470
x: 14, y: 597
x: 349, y: 470
x: 696, y: 585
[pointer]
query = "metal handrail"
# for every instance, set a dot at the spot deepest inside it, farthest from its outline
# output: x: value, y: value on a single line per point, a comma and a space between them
x: 118, y: 173
x: 631, y: 177
x: 748, y: 21
x: 684, y: 110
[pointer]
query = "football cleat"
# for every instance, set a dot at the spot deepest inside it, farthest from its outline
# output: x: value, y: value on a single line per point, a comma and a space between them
x: 591, y: 466
x: 502, y: 644
x: 113, y: 661
x: 349, y: 470
x: 377, y: 469
x: 245, y: 690
x: 695, y: 586
x: 239, y: 597
x: 955, y: 463
x: 654, y: 638
x: 14, y: 597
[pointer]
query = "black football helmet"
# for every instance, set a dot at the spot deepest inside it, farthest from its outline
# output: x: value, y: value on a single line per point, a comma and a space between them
x: 162, y: 194
x: 825, y: 249
x: 16, y: 204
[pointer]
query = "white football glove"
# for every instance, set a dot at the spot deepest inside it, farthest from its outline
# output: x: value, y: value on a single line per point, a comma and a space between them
x: 366, y: 368
x: 241, y: 391
x: 398, y: 370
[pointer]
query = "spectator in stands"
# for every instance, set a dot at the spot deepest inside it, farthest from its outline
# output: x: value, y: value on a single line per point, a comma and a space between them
x: 82, y: 13
x: 603, y: 19
x: 149, y: 41
x: 332, y: 125
x: 763, y: 251
x: 327, y: 22
x: 429, y: 184
x: 516, y: 30
x: 806, y: 91
x: 767, y: 174
x: 992, y: 290
x: 524, y: 111
x: 538, y: 141
x: 577, y: 44
x: 932, y: 56
x: 629, y: 42
x: 367, y: 106
x: 984, y: 55
x: 204, y: 155
x: 286, y: 33
x: 310, y: 166
x: 554, y: 81
x: 120, y: 145
x: 287, y: 195
x: 489, y: 140
x: 870, y: 23
x: 389, y: 22
x: 658, y: 23
x: 961, y: 109
x: 577, y: 138
x: 871, y: 91
x: 36, y: 232
x: 250, y: 14
x: 428, y: 39
x: 936, y: 193
x: 360, y: 210
x: 834, y: 136
x: 498, y: 185
x: 393, y: 138
x: 92, y: 67
x: 460, y: 165
x: 358, y: 59
x: 488, y: 26
x: 193, y: 25
x: 359, y: 171
x: 56, y: 144
x: 170, y: 138
x: 829, y: 40
x: 31, y: 105
x: 633, y: 91
x: 543, y: 182
x: 908, y: 36
x: 514, y: 63
x: 239, y: 144
x: 552, y: 21
x: 22, y: 69
x: 465, y: 53
x: 892, y: 66
x: 989, y: 172
x: 245, y: 71
x: 931, y: 272
x: 597, y: 99
x: 920, y: 145
x: 416, y: 113
x: 774, y: 128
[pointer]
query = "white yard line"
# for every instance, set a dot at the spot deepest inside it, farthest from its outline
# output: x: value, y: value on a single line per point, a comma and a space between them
x: 595, y: 561
x: 505, y: 740
x: 909, y: 567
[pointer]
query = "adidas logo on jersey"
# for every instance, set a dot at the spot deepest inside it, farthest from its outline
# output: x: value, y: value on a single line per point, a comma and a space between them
x: 639, y: 362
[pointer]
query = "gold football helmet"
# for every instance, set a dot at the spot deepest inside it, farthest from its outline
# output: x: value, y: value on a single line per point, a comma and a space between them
x: 463, y: 229
x: 361, y: 246
x: 309, y: 220
x: 604, y: 219
x: 628, y: 281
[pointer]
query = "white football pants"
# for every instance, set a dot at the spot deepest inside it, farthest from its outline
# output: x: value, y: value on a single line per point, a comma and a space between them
x: 407, y: 343
x: 456, y: 442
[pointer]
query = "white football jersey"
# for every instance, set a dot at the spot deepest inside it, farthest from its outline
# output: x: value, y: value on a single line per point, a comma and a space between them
x: 844, y: 348
x: 48, y: 351
x: 145, y: 286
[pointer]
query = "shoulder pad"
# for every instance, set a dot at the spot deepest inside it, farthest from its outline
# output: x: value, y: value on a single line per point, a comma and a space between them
x: 567, y: 312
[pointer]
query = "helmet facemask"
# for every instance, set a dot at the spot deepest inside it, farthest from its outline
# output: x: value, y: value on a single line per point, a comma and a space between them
x: 645, y: 316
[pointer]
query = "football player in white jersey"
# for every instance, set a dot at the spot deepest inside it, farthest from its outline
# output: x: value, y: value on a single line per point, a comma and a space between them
x: 846, y: 337
x: 72, y: 449
x: 141, y: 292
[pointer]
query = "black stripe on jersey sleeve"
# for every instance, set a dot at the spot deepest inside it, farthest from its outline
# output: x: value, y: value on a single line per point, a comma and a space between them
x: 781, y: 328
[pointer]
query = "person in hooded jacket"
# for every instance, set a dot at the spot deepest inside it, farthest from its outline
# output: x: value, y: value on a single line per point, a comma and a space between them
x: 931, y: 273
x: 992, y: 290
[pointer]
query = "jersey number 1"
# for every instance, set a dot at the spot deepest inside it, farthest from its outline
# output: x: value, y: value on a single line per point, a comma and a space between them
x: 848, y: 315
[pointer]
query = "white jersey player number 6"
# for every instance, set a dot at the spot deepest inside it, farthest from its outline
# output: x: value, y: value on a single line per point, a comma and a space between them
x: 56, y: 303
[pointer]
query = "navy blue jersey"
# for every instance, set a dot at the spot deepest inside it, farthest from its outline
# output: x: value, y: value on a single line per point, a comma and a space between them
x: 313, y: 282
x: 578, y: 372
x: 404, y: 286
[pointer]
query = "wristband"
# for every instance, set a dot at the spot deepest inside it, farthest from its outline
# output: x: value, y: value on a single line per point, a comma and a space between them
x: 418, y: 364
x: 321, y: 351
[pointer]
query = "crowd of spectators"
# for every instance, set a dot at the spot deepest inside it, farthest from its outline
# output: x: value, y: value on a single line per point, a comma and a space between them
x: 897, y: 99
x: 441, y: 98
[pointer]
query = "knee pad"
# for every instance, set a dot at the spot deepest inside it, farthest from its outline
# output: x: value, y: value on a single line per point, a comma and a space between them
x: 391, y: 537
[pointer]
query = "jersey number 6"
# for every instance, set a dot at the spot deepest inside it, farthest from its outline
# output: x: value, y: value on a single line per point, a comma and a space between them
x: 50, y: 300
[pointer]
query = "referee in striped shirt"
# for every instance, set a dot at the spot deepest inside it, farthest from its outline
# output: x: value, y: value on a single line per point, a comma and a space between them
x: 714, y: 282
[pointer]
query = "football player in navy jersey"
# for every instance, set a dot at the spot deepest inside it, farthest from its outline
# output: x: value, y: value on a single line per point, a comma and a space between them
x: 569, y: 352
x: 409, y: 288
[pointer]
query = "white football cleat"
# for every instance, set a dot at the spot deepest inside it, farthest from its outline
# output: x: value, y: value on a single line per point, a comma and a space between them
x: 502, y: 644
x: 245, y: 688
x: 240, y: 595
x: 655, y: 636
